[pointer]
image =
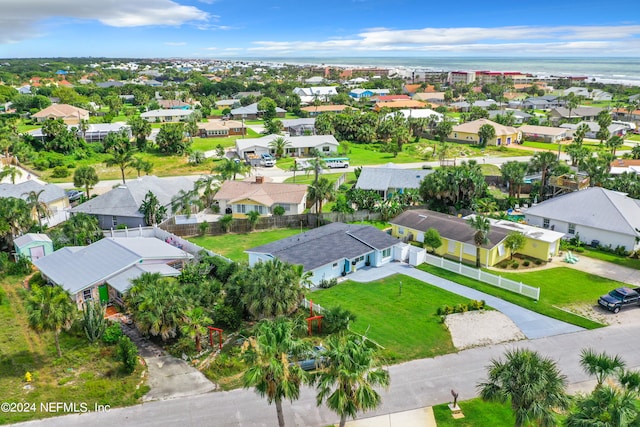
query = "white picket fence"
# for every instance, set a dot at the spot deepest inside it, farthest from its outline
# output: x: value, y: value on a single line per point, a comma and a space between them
x: 483, y: 276
x: 316, y: 307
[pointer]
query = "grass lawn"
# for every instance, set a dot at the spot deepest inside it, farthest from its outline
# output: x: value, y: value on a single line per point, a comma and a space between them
x: 559, y: 287
x: 380, y: 225
x: 612, y: 258
x: 86, y: 373
x: 233, y: 245
x: 303, y: 178
x: 490, y: 170
x: 476, y: 413
x: 632, y: 137
x: 405, y: 324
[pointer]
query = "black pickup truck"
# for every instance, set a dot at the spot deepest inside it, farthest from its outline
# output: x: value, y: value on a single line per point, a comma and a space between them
x: 618, y: 298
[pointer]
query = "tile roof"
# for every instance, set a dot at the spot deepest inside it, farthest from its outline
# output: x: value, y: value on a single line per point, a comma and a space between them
x: 474, y: 127
x: 327, y: 244
x: 61, y: 111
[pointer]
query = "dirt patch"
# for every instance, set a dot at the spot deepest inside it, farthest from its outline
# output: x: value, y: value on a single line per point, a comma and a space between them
x: 598, y: 314
x: 480, y: 328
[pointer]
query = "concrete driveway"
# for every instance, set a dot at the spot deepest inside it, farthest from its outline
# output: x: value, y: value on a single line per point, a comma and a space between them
x: 532, y: 324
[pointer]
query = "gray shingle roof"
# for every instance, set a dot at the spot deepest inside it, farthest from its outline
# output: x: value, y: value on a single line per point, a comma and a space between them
x: 252, y: 109
x: 383, y: 178
x: 594, y: 207
x: 125, y: 200
x: 327, y: 244
x: 449, y: 227
x: 20, y: 191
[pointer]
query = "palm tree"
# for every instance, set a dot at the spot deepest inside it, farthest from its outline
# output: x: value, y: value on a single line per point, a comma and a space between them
x: 184, y: 202
x: 605, y: 406
x: 486, y: 133
x: 121, y: 159
x: 531, y: 383
x: 82, y: 229
x: 614, y: 143
x: 228, y: 168
x: 316, y: 164
x: 207, y: 186
x: 49, y: 308
x: 272, y: 288
x: 11, y: 172
x: 481, y: 225
x: 85, y: 176
x: 253, y: 217
x: 320, y: 191
x: 141, y: 165
x: 37, y: 206
x: 268, y: 356
x: 195, y: 322
x: 15, y: 218
x: 543, y: 161
x: 152, y: 210
x: 600, y: 365
x: 348, y: 380
x: 279, y: 146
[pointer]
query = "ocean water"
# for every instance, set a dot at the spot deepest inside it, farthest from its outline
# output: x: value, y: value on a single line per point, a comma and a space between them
x: 607, y: 70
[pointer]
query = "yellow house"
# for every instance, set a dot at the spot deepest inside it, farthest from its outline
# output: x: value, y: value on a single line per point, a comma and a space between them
x: 468, y: 132
x: 241, y: 197
x: 51, y: 195
x: 457, y: 237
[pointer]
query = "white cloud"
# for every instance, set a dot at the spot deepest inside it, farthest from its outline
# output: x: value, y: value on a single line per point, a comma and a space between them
x: 500, y: 40
x: 20, y: 19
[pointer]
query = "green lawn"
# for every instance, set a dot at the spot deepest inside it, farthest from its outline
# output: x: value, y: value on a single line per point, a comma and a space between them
x: 632, y: 137
x: 380, y: 225
x: 405, y: 324
x: 86, y: 373
x: 477, y: 413
x: 612, y: 258
x: 559, y: 287
x: 233, y: 245
x: 304, y: 178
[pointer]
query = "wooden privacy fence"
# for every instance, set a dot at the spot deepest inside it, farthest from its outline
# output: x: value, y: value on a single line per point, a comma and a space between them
x: 483, y: 276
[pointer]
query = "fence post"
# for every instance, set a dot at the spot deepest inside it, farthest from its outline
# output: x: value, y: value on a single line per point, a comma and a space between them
x: 459, y: 268
x: 499, y: 281
x: 479, y: 275
x: 520, y: 289
x: 441, y: 262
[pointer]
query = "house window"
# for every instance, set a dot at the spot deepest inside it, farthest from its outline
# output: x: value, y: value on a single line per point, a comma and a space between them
x: 335, y: 264
x: 545, y: 223
x: 326, y: 148
x: 86, y: 295
x: 114, y: 220
x: 400, y: 230
x: 241, y: 208
x: 572, y: 229
x: 386, y: 253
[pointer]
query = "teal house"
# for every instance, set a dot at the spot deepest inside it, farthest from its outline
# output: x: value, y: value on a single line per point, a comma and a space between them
x: 33, y: 246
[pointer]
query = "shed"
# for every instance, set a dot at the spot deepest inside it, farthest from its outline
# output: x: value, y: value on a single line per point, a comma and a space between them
x: 33, y: 246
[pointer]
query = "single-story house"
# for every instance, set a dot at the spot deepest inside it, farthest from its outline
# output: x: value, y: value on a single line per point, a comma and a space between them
x: 457, y: 236
x: 421, y: 113
x: 544, y: 133
x: 298, y: 146
x: 103, y: 270
x: 95, y: 132
x: 360, y: 93
x: 227, y: 103
x: 400, y: 104
x: 594, y: 214
x: 168, y: 115
x: 584, y: 113
x: 173, y: 104
x: 588, y: 93
x: 297, y: 127
x: 68, y: 113
x: 309, y: 94
x: 240, y: 197
x: 251, y: 112
x: 468, y: 132
x: 465, y: 106
x: 331, y: 251
x: 52, y: 195
x: 388, y: 98
x: 255, y: 93
x: 33, y: 246
x: 545, y: 102
x: 594, y: 127
x: 390, y: 179
x: 122, y: 204
x: 519, y: 117
x: 316, y: 110
x: 221, y: 129
x: 620, y: 166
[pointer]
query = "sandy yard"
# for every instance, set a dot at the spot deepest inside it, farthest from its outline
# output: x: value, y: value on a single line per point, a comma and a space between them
x: 479, y: 328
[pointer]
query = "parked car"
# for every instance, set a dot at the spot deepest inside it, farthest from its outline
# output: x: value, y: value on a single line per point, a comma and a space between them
x: 74, y: 195
x: 620, y: 297
x: 267, y: 160
x: 314, y: 359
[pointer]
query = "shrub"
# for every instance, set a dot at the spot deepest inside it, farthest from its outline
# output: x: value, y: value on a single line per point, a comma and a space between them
x: 60, y: 172
x: 21, y: 267
x: 41, y: 164
x: 278, y: 211
x: 579, y: 250
x: 326, y: 284
x: 112, y: 334
x: 36, y: 280
x: 515, y: 265
x: 227, y: 317
x: 93, y: 322
x: 337, y: 319
x: 537, y: 261
x: 526, y: 263
x: 127, y: 354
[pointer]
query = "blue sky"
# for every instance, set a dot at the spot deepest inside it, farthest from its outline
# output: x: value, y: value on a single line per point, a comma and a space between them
x: 329, y: 28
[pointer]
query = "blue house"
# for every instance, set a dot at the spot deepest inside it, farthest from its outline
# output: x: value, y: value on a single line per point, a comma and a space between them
x: 331, y: 251
x: 361, y: 93
x: 33, y: 246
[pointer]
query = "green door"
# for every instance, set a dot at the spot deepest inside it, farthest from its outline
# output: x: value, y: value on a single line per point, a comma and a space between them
x: 104, y: 294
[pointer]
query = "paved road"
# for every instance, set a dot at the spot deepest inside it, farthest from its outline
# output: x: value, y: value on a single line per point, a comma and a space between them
x: 414, y: 385
x: 532, y: 324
